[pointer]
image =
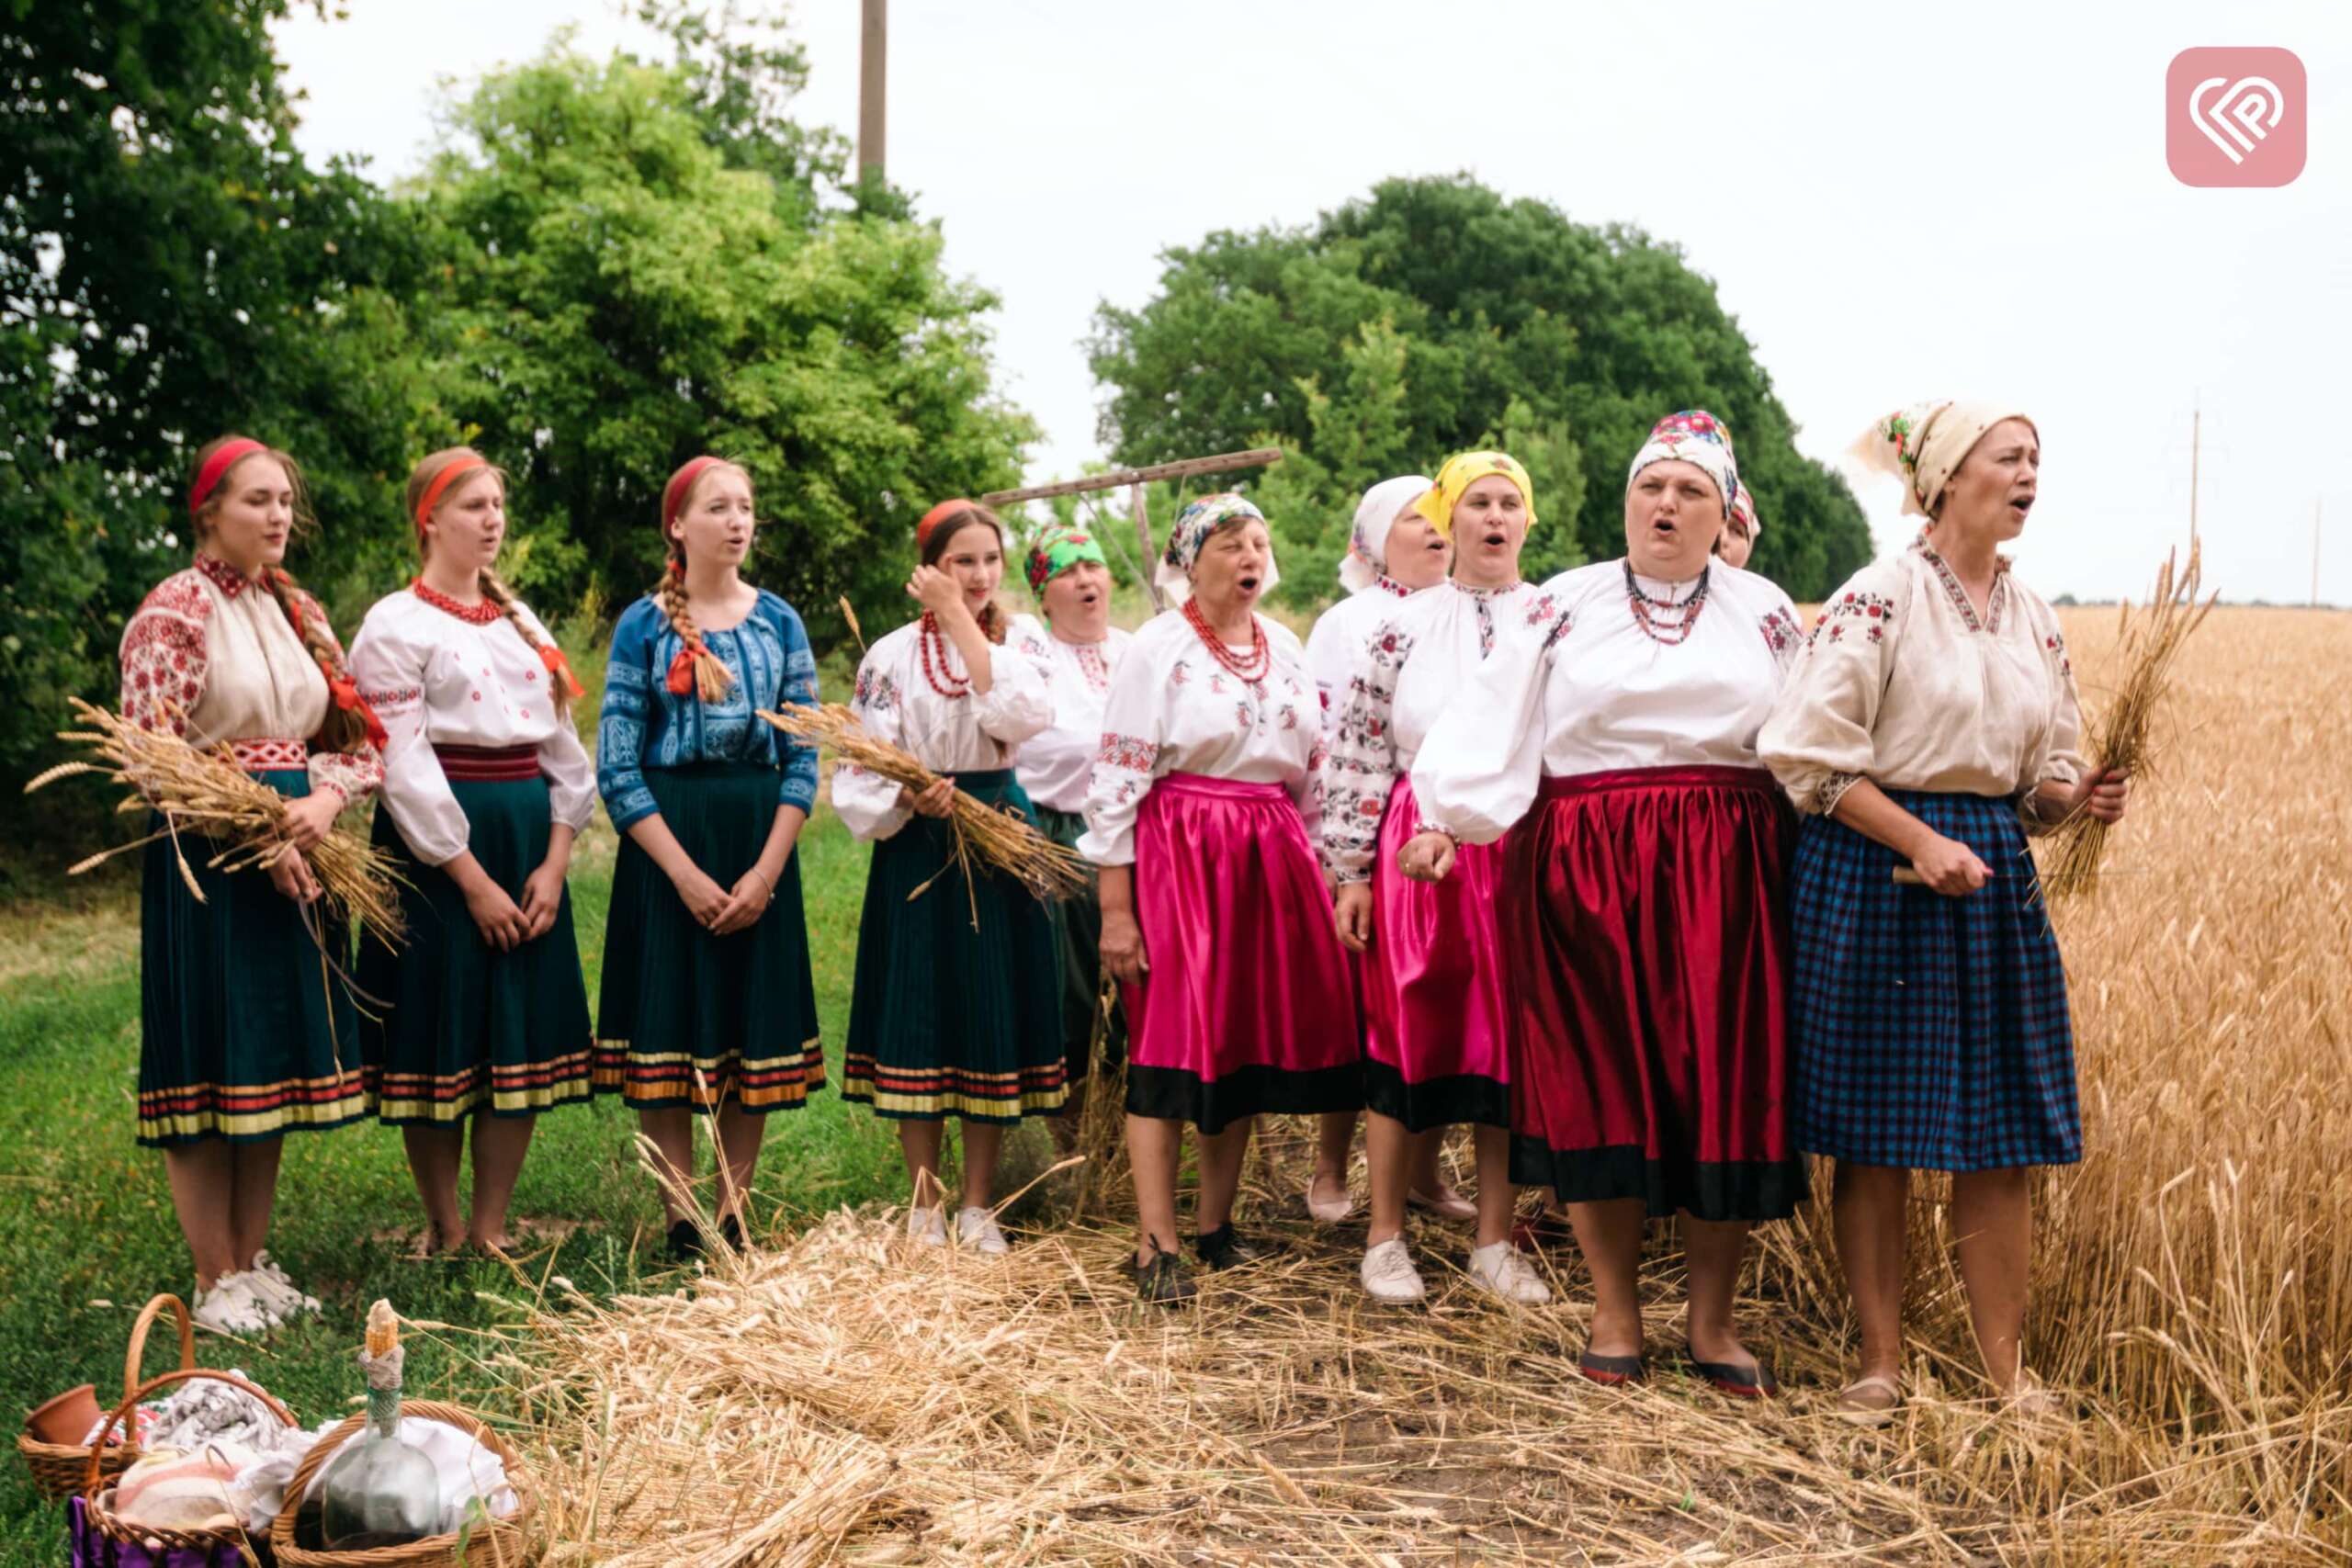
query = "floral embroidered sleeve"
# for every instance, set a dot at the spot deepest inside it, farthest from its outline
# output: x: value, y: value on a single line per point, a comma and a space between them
x: 1478, y: 769
x: 390, y: 673
x: 1818, y: 741
x: 623, y: 724
x: 2060, y: 758
x: 1020, y: 699
x: 1127, y: 760
x: 164, y: 656
x: 1359, y: 766
x: 800, y: 686
x: 868, y: 803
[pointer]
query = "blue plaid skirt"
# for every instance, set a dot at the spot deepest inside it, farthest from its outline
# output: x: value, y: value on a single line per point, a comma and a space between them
x: 1924, y: 1031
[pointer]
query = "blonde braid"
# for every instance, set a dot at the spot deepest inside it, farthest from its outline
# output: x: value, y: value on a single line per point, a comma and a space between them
x: 711, y: 675
x: 498, y: 593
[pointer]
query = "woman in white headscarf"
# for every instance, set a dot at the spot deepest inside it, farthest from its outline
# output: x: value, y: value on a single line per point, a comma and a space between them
x: 1929, y: 724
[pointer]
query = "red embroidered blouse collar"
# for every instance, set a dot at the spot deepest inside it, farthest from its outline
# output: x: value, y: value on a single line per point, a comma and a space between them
x: 479, y: 614
x: 226, y: 578
x: 1388, y: 584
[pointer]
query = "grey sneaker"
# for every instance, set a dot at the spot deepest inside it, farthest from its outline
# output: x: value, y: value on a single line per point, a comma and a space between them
x: 277, y: 1294
x: 229, y: 1307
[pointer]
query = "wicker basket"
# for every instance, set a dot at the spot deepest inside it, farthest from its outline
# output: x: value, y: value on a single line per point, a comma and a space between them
x: 96, y: 1487
x: 499, y: 1543
x: 59, y: 1469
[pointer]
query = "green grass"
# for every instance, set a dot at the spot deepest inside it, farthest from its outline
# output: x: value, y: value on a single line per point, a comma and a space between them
x: 86, y: 1231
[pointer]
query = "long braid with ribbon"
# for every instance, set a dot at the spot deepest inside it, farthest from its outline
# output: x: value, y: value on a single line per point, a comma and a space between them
x: 694, y: 671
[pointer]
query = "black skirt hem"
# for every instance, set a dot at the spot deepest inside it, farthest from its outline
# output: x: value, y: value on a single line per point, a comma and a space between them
x: 1172, y: 1094
x: 1459, y: 1099
x: 1750, y: 1190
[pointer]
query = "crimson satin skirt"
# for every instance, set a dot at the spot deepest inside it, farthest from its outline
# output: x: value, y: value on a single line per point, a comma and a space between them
x: 1436, y: 1015
x: 1246, y: 1009
x: 1647, y: 944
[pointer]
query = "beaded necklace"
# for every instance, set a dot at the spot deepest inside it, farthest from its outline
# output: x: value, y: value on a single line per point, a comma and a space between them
x: 944, y: 680
x: 479, y: 614
x: 1251, y: 668
x: 1655, y: 616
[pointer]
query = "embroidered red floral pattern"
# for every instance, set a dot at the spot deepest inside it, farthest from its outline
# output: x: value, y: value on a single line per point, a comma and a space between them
x: 1129, y: 752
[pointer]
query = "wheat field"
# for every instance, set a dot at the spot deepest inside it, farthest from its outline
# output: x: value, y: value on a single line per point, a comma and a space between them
x: 840, y: 1399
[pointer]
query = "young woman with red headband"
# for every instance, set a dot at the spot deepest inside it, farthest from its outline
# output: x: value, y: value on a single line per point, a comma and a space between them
x: 957, y: 1007
x: 707, y: 1003
x: 485, y: 785
x: 240, y: 1041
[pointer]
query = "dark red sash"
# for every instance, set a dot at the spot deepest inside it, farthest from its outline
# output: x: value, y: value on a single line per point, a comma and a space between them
x: 488, y: 764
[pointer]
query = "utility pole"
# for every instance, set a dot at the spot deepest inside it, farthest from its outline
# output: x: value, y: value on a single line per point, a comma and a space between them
x: 873, y: 54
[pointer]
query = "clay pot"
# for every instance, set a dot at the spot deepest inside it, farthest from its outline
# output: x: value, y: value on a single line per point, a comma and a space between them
x: 67, y: 1418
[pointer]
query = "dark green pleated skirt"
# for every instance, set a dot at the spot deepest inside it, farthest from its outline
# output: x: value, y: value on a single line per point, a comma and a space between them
x: 464, y: 1027
x: 676, y: 1003
x: 945, y: 1020
x: 244, y: 1032
x: 1078, y: 923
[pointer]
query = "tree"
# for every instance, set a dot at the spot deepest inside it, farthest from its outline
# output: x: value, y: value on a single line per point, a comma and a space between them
x: 644, y: 277
x: 1435, y: 317
x: 170, y: 267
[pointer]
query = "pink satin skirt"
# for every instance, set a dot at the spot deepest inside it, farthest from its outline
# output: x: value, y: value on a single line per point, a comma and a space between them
x: 1436, y: 1007
x: 1246, y: 1008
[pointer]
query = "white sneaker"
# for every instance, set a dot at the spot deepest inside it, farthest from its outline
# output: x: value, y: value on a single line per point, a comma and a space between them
x: 927, y: 1226
x: 1389, y: 1275
x: 1500, y: 1271
x: 274, y: 1293
x: 229, y: 1307
x: 976, y: 1228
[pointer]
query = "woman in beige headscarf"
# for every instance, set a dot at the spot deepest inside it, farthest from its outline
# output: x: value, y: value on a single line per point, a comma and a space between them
x: 1929, y: 724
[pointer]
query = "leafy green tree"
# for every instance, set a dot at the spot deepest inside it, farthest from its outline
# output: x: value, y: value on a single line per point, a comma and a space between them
x: 647, y: 272
x: 170, y: 267
x: 1435, y: 316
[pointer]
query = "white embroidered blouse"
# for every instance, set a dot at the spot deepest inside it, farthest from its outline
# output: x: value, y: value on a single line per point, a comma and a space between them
x: 1338, y: 635
x: 210, y: 657
x: 441, y: 679
x: 1410, y: 668
x: 1056, y: 763
x: 1175, y: 708
x: 899, y: 703
x: 1903, y: 684
x: 1591, y: 691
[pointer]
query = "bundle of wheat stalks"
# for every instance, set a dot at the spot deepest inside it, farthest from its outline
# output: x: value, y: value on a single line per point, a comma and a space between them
x: 999, y: 839
x: 203, y: 791
x: 2147, y: 645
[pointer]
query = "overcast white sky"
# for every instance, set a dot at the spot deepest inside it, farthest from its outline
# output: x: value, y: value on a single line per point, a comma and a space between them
x: 1895, y: 202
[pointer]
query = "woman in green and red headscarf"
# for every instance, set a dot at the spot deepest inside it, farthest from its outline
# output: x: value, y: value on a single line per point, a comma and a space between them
x: 1079, y: 649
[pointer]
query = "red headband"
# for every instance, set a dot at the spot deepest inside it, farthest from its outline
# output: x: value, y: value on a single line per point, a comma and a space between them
x: 216, y: 468
x: 434, y: 491
x: 934, y: 517
x: 682, y: 484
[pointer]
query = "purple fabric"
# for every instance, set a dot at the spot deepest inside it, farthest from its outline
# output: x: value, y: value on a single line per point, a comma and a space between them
x: 91, y: 1550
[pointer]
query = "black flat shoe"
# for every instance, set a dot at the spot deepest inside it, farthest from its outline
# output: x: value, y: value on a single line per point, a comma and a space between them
x: 685, y: 1242
x: 1163, y: 1283
x: 731, y: 1231
x: 1740, y: 1383
x: 1225, y: 1247
x: 1612, y: 1372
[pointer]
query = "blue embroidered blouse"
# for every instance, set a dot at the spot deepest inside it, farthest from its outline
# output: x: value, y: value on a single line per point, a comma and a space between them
x: 644, y: 725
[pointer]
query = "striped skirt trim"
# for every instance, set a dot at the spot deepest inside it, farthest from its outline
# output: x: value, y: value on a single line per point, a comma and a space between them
x: 929, y: 1092
x: 669, y: 1080
x: 523, y: 1090
x: 252, y: 1111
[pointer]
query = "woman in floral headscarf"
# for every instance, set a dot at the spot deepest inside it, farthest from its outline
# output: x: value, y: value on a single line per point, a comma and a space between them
x: 1931, y: 725
x: 1738, y: 540
x: 1201, y: 810
x: 1080, y: 650
x: 1615, y: 744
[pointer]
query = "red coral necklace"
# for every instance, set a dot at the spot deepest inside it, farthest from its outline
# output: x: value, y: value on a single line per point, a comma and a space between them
x: 1251, y: 667
x: 944, y: 680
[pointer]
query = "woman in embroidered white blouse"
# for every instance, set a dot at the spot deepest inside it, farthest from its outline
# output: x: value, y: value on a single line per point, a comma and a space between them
x: 1931, y: 722
x: 486, y: 783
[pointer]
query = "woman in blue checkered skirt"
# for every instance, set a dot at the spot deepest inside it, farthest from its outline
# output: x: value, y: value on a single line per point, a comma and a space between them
x: 1930, y: 725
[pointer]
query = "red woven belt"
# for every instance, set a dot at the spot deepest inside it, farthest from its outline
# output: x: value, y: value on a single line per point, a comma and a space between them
x: 271, y: 753
x: 488, y: 764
